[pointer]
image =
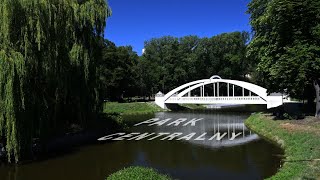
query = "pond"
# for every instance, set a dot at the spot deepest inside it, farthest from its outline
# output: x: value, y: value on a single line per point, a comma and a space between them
x: 245, y: 157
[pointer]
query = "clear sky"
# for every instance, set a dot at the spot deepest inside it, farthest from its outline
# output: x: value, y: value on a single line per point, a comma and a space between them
x: 135, y: 21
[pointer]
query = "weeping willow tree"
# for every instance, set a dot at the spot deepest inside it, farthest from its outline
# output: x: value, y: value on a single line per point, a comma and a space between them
x: 48, y: 56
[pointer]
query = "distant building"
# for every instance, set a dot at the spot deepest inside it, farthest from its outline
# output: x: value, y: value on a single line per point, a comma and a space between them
x: 143, y: 50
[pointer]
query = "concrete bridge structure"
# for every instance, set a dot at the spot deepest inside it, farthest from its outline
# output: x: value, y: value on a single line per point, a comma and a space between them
x: 222, y: 91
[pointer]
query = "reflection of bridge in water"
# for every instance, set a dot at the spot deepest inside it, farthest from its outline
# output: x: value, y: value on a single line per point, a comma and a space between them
x: 230, y: 127
x: 233, y: 134
x: 226, y: 134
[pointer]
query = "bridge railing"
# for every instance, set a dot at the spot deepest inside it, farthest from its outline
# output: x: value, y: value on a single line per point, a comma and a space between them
x: 203, y: 100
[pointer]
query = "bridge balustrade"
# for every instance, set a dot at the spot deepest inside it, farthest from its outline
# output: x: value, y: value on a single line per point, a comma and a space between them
x: 180, y: 99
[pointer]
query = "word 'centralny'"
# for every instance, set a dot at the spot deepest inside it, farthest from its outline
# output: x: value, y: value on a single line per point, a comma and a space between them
x: 167, y: 136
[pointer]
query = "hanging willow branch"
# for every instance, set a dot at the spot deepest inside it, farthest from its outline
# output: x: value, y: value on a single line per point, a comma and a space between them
x: 48, y: 53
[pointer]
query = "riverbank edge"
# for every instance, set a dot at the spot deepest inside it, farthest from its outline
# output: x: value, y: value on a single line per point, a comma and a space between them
x: 301, y: 147
x: 132, y: 108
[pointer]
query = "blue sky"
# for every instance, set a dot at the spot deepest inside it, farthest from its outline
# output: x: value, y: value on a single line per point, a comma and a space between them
x: 135, y: 21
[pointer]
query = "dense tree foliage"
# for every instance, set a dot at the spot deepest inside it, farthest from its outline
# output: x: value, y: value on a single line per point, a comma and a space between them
x: 118, y: 72
x: 286, y: 44
x: 169, y: 61
x: 48, y: 68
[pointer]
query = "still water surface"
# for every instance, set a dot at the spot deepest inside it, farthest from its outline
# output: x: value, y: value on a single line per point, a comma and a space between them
x: 246, y: 157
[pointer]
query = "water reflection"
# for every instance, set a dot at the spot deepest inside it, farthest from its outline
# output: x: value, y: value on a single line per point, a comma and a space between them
x: 217, y: 130
x: 180, y: 159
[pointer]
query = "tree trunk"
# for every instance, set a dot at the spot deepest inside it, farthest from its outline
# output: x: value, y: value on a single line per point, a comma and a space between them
x: 317, y: 89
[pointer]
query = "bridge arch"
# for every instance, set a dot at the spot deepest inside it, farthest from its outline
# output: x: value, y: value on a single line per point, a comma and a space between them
x: 260, y: 91
x: 215, y: 77
x: 176, y: 96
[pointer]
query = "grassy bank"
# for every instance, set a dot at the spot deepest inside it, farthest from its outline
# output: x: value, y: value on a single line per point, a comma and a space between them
x: 299, y: 138
x: 131, y: 108
x: 127, y: 114
x: 137, y: 173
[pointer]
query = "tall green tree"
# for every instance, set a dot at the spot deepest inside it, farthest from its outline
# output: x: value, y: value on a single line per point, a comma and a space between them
x: 286, y: 43
x: 118, y: 71
x: 163, y: 52
x: 48, y: 79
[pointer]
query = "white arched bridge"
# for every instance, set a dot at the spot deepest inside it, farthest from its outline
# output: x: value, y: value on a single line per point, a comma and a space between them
x: 218, y: 91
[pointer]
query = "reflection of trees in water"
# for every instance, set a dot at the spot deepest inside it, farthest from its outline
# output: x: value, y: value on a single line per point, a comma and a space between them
x: 93, y: 162
x: 238, y: 159
x: 98, y: 161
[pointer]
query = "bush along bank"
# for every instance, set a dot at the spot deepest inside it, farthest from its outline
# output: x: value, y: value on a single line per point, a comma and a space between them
x: 300, y: 140
x: 137, y: 173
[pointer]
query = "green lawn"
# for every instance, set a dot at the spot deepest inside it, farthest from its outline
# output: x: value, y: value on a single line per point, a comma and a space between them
x: 131, y: 108
x: 299, y: 138
x: 137, y: 173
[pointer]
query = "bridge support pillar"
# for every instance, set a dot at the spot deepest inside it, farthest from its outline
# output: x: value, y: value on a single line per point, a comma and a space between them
x: 274, y: 101
x: 233, y: 90
x: 160, y: 102
x: 228, y: 90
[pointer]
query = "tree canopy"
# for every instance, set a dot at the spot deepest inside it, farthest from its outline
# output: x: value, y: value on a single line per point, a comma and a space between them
x: 286, y: 43
x: 169, y: 61
x: 118, y: 71
x: 48, y: 72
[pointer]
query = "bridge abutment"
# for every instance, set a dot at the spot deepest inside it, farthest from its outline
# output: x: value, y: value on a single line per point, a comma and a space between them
x: 160, y: 102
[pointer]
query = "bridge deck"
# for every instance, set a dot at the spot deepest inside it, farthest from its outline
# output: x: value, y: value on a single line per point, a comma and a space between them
x: 216, y: 100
